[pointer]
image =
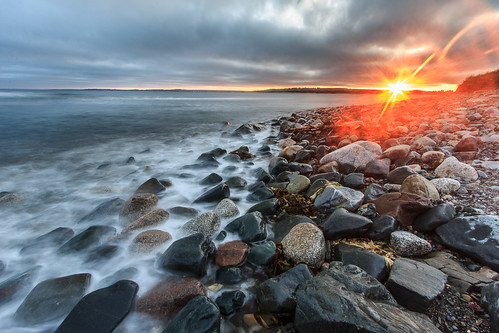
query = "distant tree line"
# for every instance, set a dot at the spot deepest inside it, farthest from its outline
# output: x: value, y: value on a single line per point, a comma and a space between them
x: 484, y: 81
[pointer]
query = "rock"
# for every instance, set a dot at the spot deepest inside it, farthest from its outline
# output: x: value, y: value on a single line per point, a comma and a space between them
x: 378, y: 168
x: 329, y: 167
x: 289, y: 153
x: 226, y: 209
x: 10, y: 287
x: 334, y: 197
x: 298, y: 184
x: 349, y: 300
x: 230, y: 301
x: 52, y: 299
x: 433, y: 158
x: 137, y: 206
x: 236, y: 182
x: 261, y: 193
x: 381, y: 228
x: 277, y: 294
x: 211, y: 179
x: 425, y: 142
x: 153, y: 218
x: 421, y: 186
x: 243, y: 153
x: 200, y: 314
x: 490, y: 300
x: 248, y: 128
x: 183, y: 212
x: 446, y: 185
x: 107, y: 209
x: 214, y: 194
x: 9, y: 199
x: 262, y: 175
x: 404, y: 207
x: 229, y: 275
x: 231, y: 254
x: 250, y: 227
x: 286, y: 142
x: 302, y: 168
x: 262, y: 255
x: 102, y: 253
x: 304, y: 156
x: 354, y: 180
x: 152, y: 185
x: 434, y: 217
x: 397, y: 152
x: 329, y: 176
x: 169, y: 296
x: 188, y: 256
x: 122, y: 274
x: 407, y: 244
x: 101, y: 310
x: 373, y: 192
x: 352, y: 158
x: 55, y: 237
x: 266, y: 208
x: 341, y: 223
x: 452, y: 168
x: 284, y: 225
x: 475, y: 236
x: 398, y: 175
x: 207, y: 223
x: 467, y: 143
x: 278, y: 165
x: 90, y: 237
x: 149, y: 240
x: 414, y: 284
x: 372, y: 263
x: 367, y: 210
x: 313, y: 190
x: 305, y: 244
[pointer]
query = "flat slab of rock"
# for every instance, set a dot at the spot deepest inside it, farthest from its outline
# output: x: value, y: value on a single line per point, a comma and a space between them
x: 404, y: 207
x: 415, y: 284
x: 102, y: 310
x: 305, y: 243
x: 475, y: 236
x: 407, y: 244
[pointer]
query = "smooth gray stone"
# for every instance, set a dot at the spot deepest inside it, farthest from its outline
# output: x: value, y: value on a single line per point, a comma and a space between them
x: 262, y: 255
x: 55, y: 237
x: 107, y: 209
x: 90, y: 237
x: 434, y: 217
x: 341, y: 223
x: 250, y: 227
x: 199, y: 315
x: 372, y: 263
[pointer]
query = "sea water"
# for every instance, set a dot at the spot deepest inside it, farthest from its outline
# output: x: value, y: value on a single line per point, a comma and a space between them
x: 66, y: 151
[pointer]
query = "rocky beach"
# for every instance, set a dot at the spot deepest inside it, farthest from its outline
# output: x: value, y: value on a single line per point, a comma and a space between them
x: 335, y: 219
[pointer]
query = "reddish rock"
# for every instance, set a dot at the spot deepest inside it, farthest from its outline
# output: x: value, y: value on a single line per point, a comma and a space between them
x: 433, y: 158
x: 468, y: 143
x: 137, y: 206
x: 466, y: 155
x: 149, y: 240
x: 154, y: 217
x: 168, y: 297
x: 378, y: 168
x: 397, y: 152
x: 404, y: 207
x: 231, y: 254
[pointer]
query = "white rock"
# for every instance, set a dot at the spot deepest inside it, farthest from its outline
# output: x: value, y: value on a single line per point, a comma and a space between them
x: 407, y: 244
x: 452, y: 168
x: 305, y: 243
x: 354, y: 155
x: 207, y: 224
x: 446, y: 185
x: 226, y: 209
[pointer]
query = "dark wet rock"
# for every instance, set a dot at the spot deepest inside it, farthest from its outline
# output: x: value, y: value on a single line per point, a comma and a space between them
x: 367, y: 210
x: 262, y: 175
x: 90, y: 237
x: 9, y: 199
x: 149, y: 240
x: 229, y: 275
x: 398, y: 175
x: 282, y: 227
x: 304, y: 156
x: 52, y: 299
x: 231, y: 254
x: 169, y: 296
x: 211, y: 179
x: 260, y: 193
x: 475, y: 236
x: 217, y: 152
x: 243, y: 153
x: 102, y: 253
x: 278, y: 165
x: 315, y: 187
x: 434, y: 217
x: 128, y: 273
x: 101, y: 310
x: 188, y: 256
x: 207, y: 160
x: 152, y: 218
x: 199, y: 315
x: 137, y: 206
x: 285, y: 176
x: 262, y: 255
x: 130, y: 160
x: 250, y: 227
x: 230, y: 301
x: 266, y: 208
x: 305, y: 243
x: 298, y: 184
x: 378, y: 168
x: 236, y: 182
x: 354, y: 180
x: 407, y: 244
x: 341, y: 223
x: 248, y: 128
x: 277, y: 294
x: 415, y: 284
x: 349, y: 300
x: 490, y: 300
x: 17, y: 283
x: 108, y: 209
x: 381, y: 228
x: 373, y: 192
x: 152, y: 185
x: 221, y: 235
x: 334, y: 197
x: 214, y: 194
x: 2, y: 267
x: 404, y: 207
x: 207, y: 223
x: 183, y: 212
x: 232, y: 158
x: 372, y: 263
x: 330, y: 176
x: 302, y: 168
x: 53, y: 238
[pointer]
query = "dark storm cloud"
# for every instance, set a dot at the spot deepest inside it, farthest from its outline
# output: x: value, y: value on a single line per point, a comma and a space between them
x: 145, y: 44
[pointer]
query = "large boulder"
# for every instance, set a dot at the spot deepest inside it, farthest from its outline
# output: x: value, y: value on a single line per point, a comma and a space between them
x: 353, y: 157
x: 475, y: 236
x: 305, y: 244
x: 333, y: 197
x: 404, y: 207
x: 214, y: 194
x: 421, y: 186
x: 452, y: 168
x: 199, y: 315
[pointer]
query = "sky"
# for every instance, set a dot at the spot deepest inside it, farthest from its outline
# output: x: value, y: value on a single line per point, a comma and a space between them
x: 245, y: 44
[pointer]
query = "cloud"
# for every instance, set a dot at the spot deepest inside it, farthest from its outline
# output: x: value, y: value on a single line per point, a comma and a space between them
x: 149, y: 44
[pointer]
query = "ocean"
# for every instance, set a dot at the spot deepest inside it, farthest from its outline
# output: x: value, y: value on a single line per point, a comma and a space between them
x: 64, y: 152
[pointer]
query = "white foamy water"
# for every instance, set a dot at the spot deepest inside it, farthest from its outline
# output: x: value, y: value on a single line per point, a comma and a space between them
x: 66, y: 153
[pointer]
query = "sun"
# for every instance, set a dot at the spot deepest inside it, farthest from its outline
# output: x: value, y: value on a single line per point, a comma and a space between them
x: 398, y: 87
